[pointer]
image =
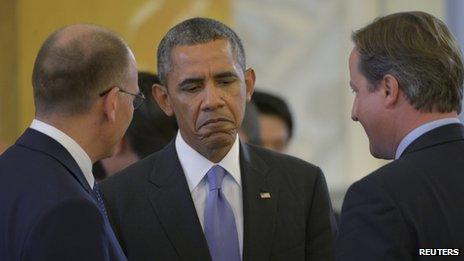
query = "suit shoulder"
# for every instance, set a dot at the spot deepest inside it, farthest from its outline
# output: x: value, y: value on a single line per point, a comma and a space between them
x: 285, y: 169
x: 279, y: 160
x: 56, y: 231
x: 392, y: 176
x: 43, y: 176
x: 74, y: 208
x: 397, y: 181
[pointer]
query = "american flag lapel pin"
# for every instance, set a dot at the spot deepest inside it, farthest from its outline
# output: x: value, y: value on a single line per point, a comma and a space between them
x: 265, y: 195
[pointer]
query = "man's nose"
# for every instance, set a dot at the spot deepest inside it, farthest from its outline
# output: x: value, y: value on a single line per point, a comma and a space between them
x: 213, y: 97
x: 354, y: 115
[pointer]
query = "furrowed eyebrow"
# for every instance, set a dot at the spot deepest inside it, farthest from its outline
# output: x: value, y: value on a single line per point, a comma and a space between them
x: 189, y: 81
x: 225, y: 75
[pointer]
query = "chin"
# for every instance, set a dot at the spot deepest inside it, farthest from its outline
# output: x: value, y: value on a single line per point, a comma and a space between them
x: 219, y: 140
x: 379, y: 153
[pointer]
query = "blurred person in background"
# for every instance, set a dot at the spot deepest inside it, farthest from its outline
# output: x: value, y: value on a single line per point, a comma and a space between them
x: 276, y: 121
x: 406, y: 73
x: 150, y: 130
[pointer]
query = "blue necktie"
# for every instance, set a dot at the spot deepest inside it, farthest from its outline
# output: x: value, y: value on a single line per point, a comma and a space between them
x: 101, y: 205
x: 220, y: 228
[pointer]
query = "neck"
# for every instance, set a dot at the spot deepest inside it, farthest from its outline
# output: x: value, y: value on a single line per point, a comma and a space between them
x: 80, y: 129
x: 411, y: 121
x: 216, y: 155
x: 214, y: 151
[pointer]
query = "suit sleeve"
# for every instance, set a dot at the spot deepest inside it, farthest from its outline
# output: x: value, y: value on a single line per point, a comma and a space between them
x: 72, y: 230
x: 321, y: 223
x: 372, y: 227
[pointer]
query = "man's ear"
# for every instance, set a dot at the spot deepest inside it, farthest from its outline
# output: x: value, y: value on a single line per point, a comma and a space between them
x: 250, y: 79
x: 391, y: 90
x: 160, y: 94
x: 111, y: 104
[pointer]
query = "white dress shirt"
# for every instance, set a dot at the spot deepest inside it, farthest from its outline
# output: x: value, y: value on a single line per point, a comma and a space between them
x: 417, y: 132
x: 76, y: 151
x: 195, y: 167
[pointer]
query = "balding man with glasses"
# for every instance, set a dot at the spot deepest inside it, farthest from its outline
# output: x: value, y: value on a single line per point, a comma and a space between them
x: 138, y: 97
x: 85, y: 92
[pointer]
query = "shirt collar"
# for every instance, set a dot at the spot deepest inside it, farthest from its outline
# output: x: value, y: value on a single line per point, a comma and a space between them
x: 76, y: 151
x: 195, y: 166
x: 417, y: 132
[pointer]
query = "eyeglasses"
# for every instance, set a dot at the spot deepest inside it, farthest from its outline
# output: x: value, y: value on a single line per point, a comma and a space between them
x: 138, y: 97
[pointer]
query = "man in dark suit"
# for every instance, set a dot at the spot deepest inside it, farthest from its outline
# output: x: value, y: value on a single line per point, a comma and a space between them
x: 85, y: 89
x: 206, y: 195
x: 407, y: 75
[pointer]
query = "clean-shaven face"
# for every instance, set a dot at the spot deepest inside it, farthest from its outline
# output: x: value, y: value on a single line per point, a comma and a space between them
x: 207, y: 92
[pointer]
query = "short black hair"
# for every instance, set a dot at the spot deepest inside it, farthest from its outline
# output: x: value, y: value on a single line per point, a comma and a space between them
x: 151, y: 129
x: 271, y: 104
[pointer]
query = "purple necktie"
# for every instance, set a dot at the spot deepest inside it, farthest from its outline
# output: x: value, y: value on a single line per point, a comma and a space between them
x: 220, y: 229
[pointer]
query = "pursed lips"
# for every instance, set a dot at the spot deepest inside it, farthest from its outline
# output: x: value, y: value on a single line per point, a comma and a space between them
x: 215, y: 120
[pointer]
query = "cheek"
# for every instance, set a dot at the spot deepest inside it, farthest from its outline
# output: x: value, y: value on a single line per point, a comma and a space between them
x: 186, y: 111
x: 237, y: 102
x: 237, y: 109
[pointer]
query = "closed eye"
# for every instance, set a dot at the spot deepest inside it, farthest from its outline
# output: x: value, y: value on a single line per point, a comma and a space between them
x: 353, y: 87
x: 226, y: 80
x: 191, y: 84
x: 192, y: 87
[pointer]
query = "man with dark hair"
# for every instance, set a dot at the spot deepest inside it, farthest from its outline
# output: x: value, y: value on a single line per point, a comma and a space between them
x: 407, y: 76
x: 206, y: 195
x: 149, y: 131
x: 275, y: 120
x: 85, y: 91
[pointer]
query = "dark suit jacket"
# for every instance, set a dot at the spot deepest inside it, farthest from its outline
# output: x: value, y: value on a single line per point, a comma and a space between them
x: 416, y: 201
x: 47, y: 211
x: 154, y: 217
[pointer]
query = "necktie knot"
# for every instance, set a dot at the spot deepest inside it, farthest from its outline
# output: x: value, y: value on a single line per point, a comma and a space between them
x: 215, y: 176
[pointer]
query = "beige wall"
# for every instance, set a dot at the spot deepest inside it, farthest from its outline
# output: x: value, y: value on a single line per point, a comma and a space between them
x: 26, y: 23
x: 8, y: 72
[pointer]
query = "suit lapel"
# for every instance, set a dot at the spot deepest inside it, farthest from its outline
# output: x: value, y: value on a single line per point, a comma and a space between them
x: 38, y: 141
x: 437, y: 136
x: 259, y: 211
x: 173, y: 204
